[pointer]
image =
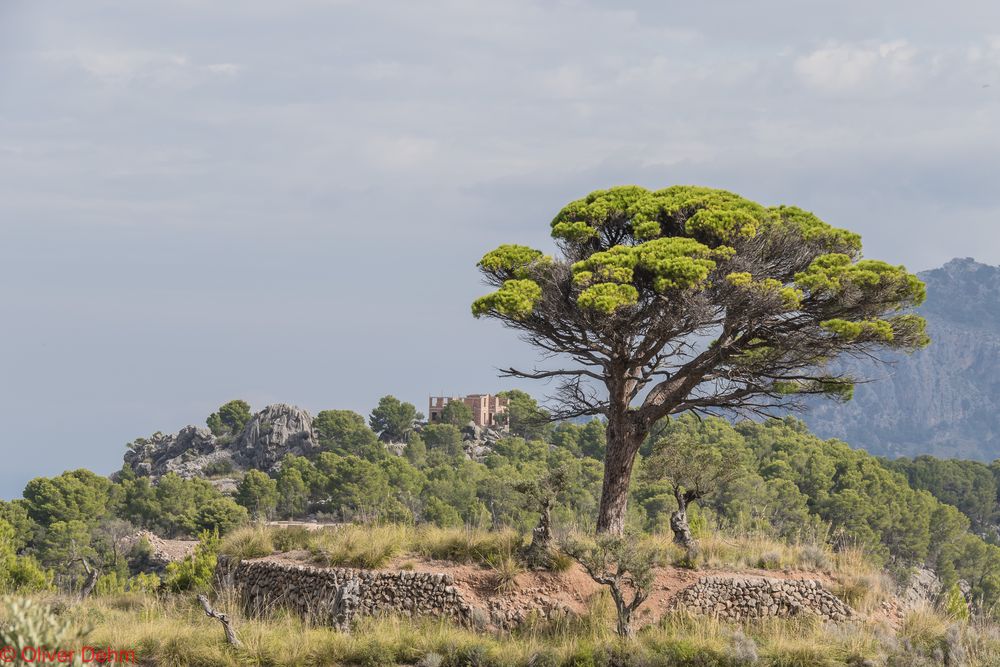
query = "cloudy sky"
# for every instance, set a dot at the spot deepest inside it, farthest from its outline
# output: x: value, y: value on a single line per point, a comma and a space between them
x: 284, y: 201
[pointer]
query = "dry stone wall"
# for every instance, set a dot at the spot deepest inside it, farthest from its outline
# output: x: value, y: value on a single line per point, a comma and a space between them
x: 334, y: 596
x: 742, y: 598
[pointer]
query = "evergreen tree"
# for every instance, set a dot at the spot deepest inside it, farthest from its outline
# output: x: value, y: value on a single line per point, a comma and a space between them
x: 693, y: 299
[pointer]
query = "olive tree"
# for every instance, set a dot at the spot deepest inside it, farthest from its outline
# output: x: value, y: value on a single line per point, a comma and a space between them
x: 695, y: 459
x: 693, y: 299
x: 623, y: 564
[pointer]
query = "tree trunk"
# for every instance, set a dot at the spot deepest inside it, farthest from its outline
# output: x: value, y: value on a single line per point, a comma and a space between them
x: 624, y: 439
x: 624, y: 626
x: 539, y: 552
x: 91, y: 584
x: 679, y: 523
x: 227, y: 625
x: 92, y: 576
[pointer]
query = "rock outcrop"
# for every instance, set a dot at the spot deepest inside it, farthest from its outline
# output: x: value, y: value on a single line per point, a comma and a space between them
x: 195, y: 452
x: 273, y: 432
x: 923, y: 588
x: 478, y: 441
x: 742, y: 598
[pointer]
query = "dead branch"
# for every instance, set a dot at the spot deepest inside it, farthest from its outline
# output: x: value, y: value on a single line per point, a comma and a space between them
x: 231, y: 637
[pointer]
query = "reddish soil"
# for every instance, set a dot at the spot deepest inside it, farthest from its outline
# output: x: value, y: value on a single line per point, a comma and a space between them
x: 570, y: 590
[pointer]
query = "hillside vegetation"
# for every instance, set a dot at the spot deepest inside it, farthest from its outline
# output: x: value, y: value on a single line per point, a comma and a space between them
x: 790, y: 501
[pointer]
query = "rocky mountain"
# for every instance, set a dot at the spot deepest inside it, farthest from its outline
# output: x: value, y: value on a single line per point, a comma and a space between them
x: 943, y: 400
x: 195, y: 452
x: 270, y: 434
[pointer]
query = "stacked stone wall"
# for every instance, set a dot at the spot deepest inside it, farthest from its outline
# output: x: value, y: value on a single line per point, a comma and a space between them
x: 333, y: 596
x: 743, y: 598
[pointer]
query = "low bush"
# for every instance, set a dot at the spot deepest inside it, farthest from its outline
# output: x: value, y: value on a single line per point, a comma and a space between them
x: 25, y: 622
x: 195, y: 572
x: 23, y: 574
x: 291, y: 538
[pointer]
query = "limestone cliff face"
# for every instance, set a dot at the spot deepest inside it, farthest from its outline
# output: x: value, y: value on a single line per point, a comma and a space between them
x: 195, y: 452
x: 273, y: 432
x: 943, y: 400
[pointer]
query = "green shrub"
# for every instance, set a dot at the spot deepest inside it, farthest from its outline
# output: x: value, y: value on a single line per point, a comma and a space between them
x: 109, y: 583
x: 30, y: 623
x: 291, y: 538
x: 582, y: 656
x: 195, y: 572
x: 560, y: 562
x: 954, y: 603
x: 23, y: 574
x: 145, y: 582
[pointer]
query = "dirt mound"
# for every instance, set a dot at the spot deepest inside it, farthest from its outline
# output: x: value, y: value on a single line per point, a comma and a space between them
x: 163, y: 551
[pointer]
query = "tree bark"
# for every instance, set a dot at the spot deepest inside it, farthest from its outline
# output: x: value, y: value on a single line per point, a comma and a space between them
x: 92, y: 576
x: 227, y: 625
x: 539, y: 552
x: 679, y: 523
x: 624, y: 438
x: 625, y: 630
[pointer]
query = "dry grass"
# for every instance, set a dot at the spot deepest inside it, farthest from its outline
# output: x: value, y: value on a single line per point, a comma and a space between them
x: 173, y: 631
x: 505, y: 570
x: 251, y: 541
x: 719, y: 550
x: 373, y: 546
x: 465, y: 545
x: 368, y: 547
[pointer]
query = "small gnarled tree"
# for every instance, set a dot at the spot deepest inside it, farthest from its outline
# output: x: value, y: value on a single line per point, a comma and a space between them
x: 693, y: 458
x: 623, y: 564
x: 693, y: 299
x: 542, y: 494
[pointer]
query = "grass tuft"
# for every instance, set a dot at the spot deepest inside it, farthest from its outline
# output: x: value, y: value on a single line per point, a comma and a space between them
x: 252, y: 541
x: 369, y: 547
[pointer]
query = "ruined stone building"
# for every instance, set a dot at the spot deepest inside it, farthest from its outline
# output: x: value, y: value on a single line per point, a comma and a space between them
x: 486, y: 408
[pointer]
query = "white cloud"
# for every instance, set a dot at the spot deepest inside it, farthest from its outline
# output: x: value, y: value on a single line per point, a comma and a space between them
x: 225, y: 69
x: 126, y: 67
x: 847, y: 68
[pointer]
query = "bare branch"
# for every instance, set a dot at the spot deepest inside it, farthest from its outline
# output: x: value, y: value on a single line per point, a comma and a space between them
x: 227, y: 625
